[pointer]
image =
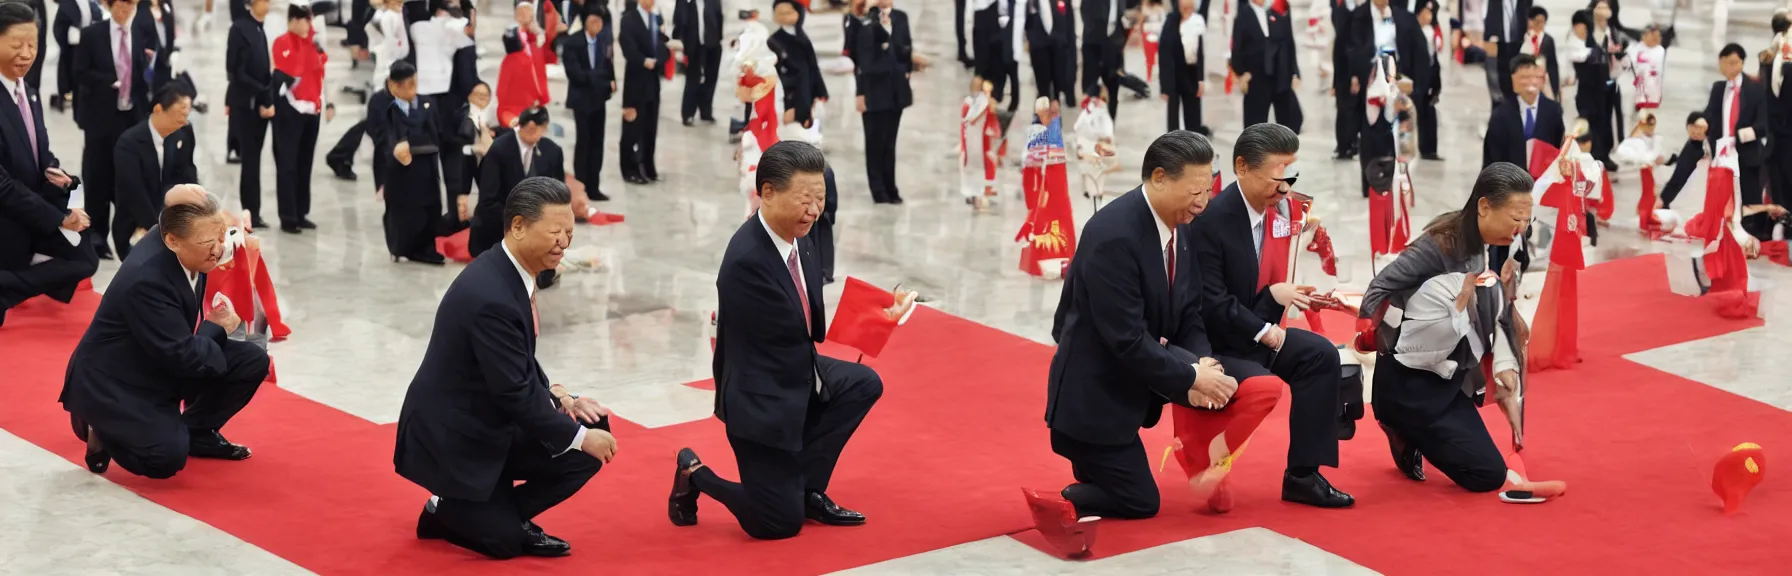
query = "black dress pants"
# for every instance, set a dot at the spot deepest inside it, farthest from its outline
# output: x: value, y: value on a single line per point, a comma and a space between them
x: 1456, y: 441
x: 343, y: 153
x: 1054, y: 73
x: 1427, y: 117
x: 1185, y: 111
x: 56, y: 278
x: 1285, y: 103
x: 1779, y: 176
x: 1309, y: 364
x: 1112, y: 481
x: 881, y: 127
x: 768, y: 500
x: 638, y: 139
x: 161, y: 450
x: 1759, y: 225
x: 295, y: 153
x: 495, y: 526
x: 1349, y: 120
x: 700, y: 82
x: 250, y: 131
x: 96, y: 163
x: 588, y: 151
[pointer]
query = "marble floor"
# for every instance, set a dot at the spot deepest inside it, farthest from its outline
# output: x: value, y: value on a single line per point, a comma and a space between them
x: 360, y: 321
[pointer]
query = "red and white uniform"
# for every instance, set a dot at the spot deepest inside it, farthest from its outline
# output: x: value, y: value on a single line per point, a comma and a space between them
x: 758, y: 84
x: 978, y: 134
x: 1050, y: 229
x: 1646, y: 66
x: 1095, y: 150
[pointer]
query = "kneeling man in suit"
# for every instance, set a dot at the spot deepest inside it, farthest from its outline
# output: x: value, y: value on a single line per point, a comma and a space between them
x: 480, y: 416
x: 789, y: 410
x: 154, y: 345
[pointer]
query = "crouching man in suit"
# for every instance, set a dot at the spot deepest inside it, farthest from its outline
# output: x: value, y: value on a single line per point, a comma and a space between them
x: 789, y: 410
x: 480, y: 415
x: 152, y: 346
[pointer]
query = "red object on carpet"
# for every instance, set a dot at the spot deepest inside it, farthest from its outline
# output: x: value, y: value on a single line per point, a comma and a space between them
x: 1737, y: 473
x: 1056, y: 520
x: 454, y: 246
x: 959, y: 428
x: 860, y: 320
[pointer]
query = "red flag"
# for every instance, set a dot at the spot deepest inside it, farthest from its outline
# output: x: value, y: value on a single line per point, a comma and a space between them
x: 1543, y: 156
x: 1555, y: 334
x: 246, y: 282
x: 1056, y: 520
x: 1775, y: 251
x: 1645, y: 205
x: 1737, y: 473
x: 1209, y: 441
x: 861, y: 320
x: 1607, y: 205
x: 454, y: 247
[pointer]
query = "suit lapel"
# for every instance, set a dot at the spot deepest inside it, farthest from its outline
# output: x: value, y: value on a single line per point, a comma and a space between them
x: 770, y: 250
x: 1151, y: 259
x: 15, y: 123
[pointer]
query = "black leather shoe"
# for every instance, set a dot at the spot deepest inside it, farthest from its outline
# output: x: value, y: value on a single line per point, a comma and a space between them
x: 431, y: 259
x: 428, y: 526
x: 596, y: 195
x: 820, y: 508
x: 682, y: 506
x: 1346, y: 429
x: 256, y: 222
x: 306, y: 224
x: 1406, y: 457
x: 290, y: 228
x: 97, y: 459
x: 1314, y: 490
x: 689, y: 122
x: 1432, y: 157
x: 343, y: 171
x: 538, y: 543
x: 102, y: 250
x: 211, y: 444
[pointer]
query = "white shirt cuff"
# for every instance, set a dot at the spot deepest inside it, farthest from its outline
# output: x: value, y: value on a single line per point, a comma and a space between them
x: 1260, y: 333
x: 578, y: 439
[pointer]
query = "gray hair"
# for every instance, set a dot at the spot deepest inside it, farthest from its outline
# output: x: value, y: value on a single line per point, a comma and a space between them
x: 1258, y: 141
x: 1174, y: 152
x: 533, y: 195
x: 784, y: 160
x: 179, y: 219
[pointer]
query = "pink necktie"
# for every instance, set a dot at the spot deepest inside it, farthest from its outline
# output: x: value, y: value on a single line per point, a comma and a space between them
x: 123, y: 65
x: 30, y: 121
x: 797, y: 279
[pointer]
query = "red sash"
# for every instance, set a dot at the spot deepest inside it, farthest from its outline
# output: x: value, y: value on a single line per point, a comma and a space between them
x: 1272, y: 265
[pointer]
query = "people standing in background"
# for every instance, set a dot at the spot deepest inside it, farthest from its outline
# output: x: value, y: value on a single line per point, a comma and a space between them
x: 1605, y: 33
x: 469, y: 136
x: 961, y: 12
x: 150, y: 158
x: 1592, y: 72
x: 299, y: 78
x: 35, y: 217
x: 522, y: 83
x: 1743, y: 111
x: 1537, y: 42
x: 1104, y: 48
x: 389, y: 43
x: 996, y: 35
x: 799, y: 72
x: 1264, y: 57
x: 885, y: 53
x: 408, y: 136
x: 458, y: 167
x: 515, y: 155
x: 114, y: 78
x: 1504, y: 28
x: 1051, y: 46
x: 1428, y: 78
x: 698, y: 24
x: 590, y: 82
x: 35, y: 76
x: 1525, y: 117
x: 1182, y: 65
x: 1779, y: 68
x: 249, y: 100
x: 72, y: 17
x: 1347, y: 90
x: 644, y: 50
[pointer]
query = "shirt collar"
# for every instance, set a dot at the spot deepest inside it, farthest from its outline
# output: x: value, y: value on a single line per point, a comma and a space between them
x: 784, y: 248
x: 1163, y: 230
x: 528, y: 281
x: 156, y: 137
x: 12, y: 88
x: 1256, y: 217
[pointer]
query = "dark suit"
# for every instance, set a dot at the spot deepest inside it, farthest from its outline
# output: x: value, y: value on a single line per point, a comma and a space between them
x: 1236, y: 310
x: 589, y: 84
x: 1506, y: 141
x: 31, y: 211
x: 996, y: 61
x: 641, y: 41
x: 703, y: 54
x: 1596, y: 96
x: 246, y: 59
x: 1756, y: 113
x: 162, y: 33
x: 1427, y: 86
x: 68, y: 17
x: 1053, y: 52
x: 478, y: 416
x: 800, y: 74
x: 1507, y: 37
x: 1686, y: 162
x: 1546, y: 51
x: 885, y: 59
x: 1104, y: 49
x: 1349, y: 117
x: 499, y: 173
x: 145, y: 354
x: 414, y: 192
x: 787, y: 436
x: 144, y: 175
x: 1182, y: 78
x: 1780, y: 151
x: 97, y: 111
x: 34, y: 77
x: 1271, y: 61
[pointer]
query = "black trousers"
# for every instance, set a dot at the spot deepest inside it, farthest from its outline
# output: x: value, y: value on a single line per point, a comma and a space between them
x: 1349, y: 121
x: 1112, y: 481
x: 1094, y: 80
x: 1054, y: 74
x: 1286, y: 104
x: 1309, y: 364
x: 1779, y: 167
x: 1427, y: 120
x: 700, y: 88
x: 881, y: 127
x: 343, y: 153
x: 588, y: 151
x: 1593, y: 109
x: 99, y: 188
x: 210, y: 404
x: 1187, y: 115
x: 1004, y: 75
x: 768, y: 500
x: 56, y: 278
x: 295, y: 154
x: 495, y: 526
x: 638, y: 139
x: 250, y: 131
x: 1456, y: 442
x: 1759, y: 225
x: 958, y: 8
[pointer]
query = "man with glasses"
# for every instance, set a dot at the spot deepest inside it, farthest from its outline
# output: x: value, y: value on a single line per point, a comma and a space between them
x: 1243, y: 242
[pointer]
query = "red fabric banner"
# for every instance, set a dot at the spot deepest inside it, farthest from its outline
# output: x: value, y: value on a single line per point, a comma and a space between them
x: 861, y: 320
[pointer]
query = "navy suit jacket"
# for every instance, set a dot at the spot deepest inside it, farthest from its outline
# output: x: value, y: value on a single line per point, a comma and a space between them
x: 1235, y: 309
x: 765, y: 357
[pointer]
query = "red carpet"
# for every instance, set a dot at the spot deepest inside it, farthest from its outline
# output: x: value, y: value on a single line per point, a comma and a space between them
x: 960, y: 428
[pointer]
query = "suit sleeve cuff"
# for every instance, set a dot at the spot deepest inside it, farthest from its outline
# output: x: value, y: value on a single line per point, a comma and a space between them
x: 578, y: 439
x: 1261, y: 332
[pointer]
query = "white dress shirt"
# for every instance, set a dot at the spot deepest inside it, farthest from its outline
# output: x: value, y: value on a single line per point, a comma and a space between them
x: 578, y: 438
x: 155, y: 140
x: 1431, y: 327
x: 1384, y: 29
x: 1732, y: 86
x: 785, y: 249
x: 527, y: 151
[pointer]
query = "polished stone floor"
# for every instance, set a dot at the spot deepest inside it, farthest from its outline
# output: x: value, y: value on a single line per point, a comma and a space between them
x: 630, y: 333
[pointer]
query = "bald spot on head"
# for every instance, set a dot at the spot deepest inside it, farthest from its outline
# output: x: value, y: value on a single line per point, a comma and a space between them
x: 184, y: 194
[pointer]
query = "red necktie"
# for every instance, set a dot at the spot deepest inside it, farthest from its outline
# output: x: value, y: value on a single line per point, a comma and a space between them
x: 1735, y: 105
x: 1535, y: 50
x: 796, y: 279
x: 1170, y: 261
x: 535, y: 316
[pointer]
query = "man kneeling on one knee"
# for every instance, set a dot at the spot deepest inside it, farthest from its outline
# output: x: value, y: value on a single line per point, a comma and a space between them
x: 153, y: 345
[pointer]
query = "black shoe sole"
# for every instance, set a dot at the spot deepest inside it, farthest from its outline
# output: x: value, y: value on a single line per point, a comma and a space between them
x: 836, y: 522
x: 681, y: 506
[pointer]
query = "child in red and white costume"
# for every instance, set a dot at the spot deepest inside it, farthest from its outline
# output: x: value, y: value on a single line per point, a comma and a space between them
x: 1095, y: 152
x: 979, y: 133
x: 757, y: 85
x: 1647, y: 61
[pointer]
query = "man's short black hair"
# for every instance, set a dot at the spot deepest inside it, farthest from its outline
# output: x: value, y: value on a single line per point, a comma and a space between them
x: 1174, y: 152
x: 172, y: 93
x: 1521, y: 62
x: 1694, y: 117
x: 600, y: 12
x: 298, y: 12
x: 14, y: 14
x: 1258, y: 141
x: 786, y: 159
x: 1732, y: 49
x: 532, y: 196
x: 536, y: 115
x: 401, y: 71
x: 1781, y: 22
x: 1537, y: 11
